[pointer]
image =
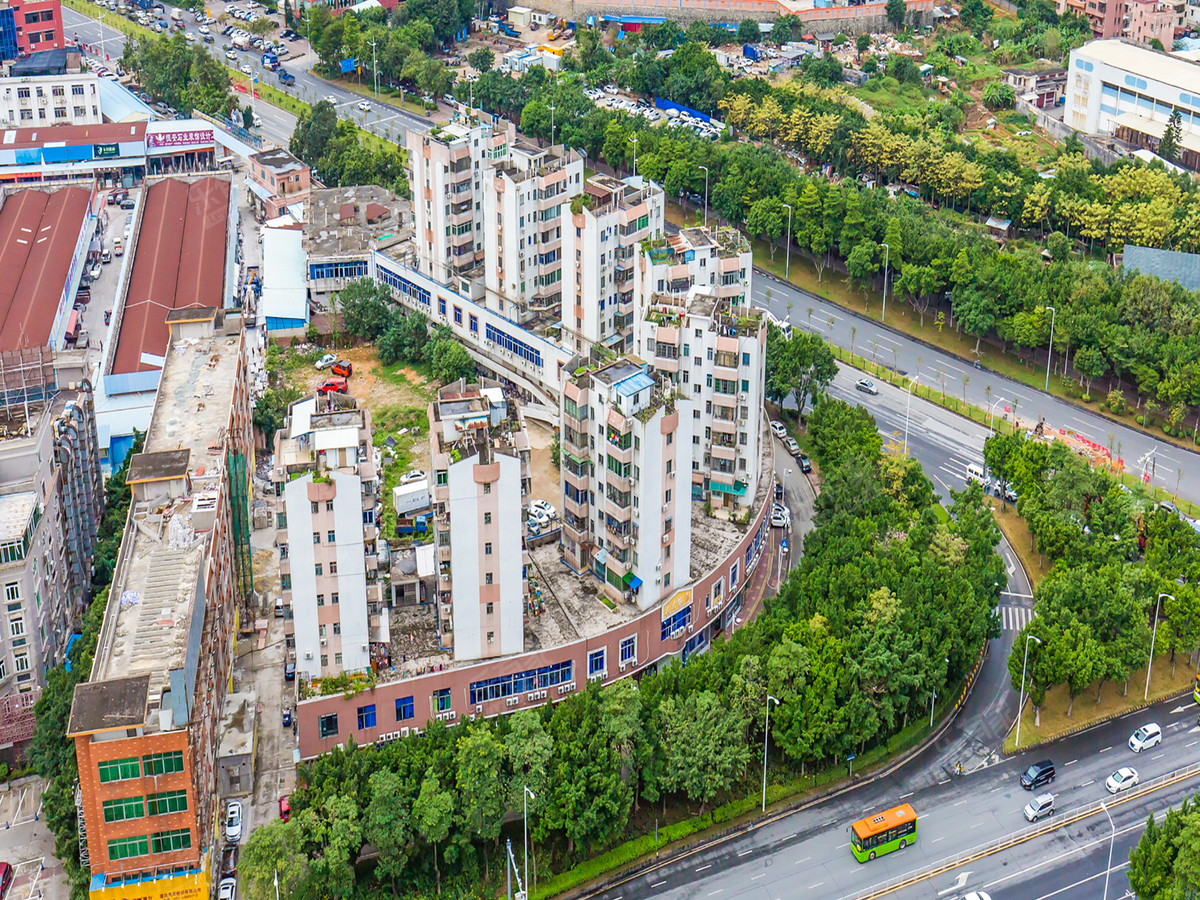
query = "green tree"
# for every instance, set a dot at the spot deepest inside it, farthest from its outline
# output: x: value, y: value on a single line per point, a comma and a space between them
x: 275, y: 850
x: 481, y: 59
x: 333, y: 836
x: 704, y: 746
x: 894, y: 11
x: 747, y: 32
x: 482, y: 787
x: 1168, y: 147
x: 387, y: 825
x: 432, y: 814
x: 767, y: 218
x: 862, y: 264
x: 365, y: 306
x: 451, y: 361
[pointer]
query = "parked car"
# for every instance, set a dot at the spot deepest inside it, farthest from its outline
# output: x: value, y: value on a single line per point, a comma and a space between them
x: 779, y: 429
x: 335, y: 385
x: 285, y: 809
x: 866, y: 385
x: 805, y: 465
x: 539, y: 518
x: 544, y: 507
x: 233, y: 822
x: 227, y: 889
x: 229, y: 54
x: 326, y: 361
x: 229, y: 860
x: 342, y: 367
x: 790, y: 443
x: 128, y: 203
x: 412, y: 475
x: 780, y: 518
x: 105, y: 256
x: 1145, y: 737
x: 1121, y: 780
x: 1038, y: 774
x: 1039, y: 807
x: 287, y: 718
x: 289, y: 671
x: 6, y: 879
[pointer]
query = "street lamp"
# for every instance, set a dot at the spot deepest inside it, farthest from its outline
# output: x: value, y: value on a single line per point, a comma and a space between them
x: 552, y: 108
x: 907, y: 407
x: 1050, y: 352
x: 1021, y: 701
x: 1153, y: 635
x: 705, y: 168
x: 991, y: 410
x: 525, y: 801
x: 1112, y: 841
x: 767, y: 737
x: 633, y: 140
x: 788, y: 266
x: 887, y: 253
x: 374, y: 68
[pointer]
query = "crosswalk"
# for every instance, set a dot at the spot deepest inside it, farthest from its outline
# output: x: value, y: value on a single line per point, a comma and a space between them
x: 1014, y: 618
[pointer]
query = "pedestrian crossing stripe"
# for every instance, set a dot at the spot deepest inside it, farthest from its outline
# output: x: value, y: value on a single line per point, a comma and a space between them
x: 1014, y: 618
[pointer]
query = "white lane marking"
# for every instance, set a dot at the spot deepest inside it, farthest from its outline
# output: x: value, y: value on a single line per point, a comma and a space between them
x: 935, y: 840
x: 797, y: 862
x: 702, y: 868
x: 1086, y: 783
x: 1071, y: 763
x: 758, y: 876
x: 960, y: 802
x: 744, y: 852
x: 977, y: 824
x: 717, y: 891
x: 817, y: 885
x: 909, y: 794
x: 842, y: 846
x: 1106, y: 749
x: 659, y: 883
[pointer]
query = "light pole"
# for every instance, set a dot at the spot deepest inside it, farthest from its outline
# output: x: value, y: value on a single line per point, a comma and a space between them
x: 1153, y: 635
x: 1112, y: 841
x: 633, y: 140
x: 1021, y: 701
x: 551, y: 108
x: 907, y: 407
x: 374, y: 68
x: 887, y: 254
x: 705, y: 168
x: 788, y: 265
x: 1050, y: 352
x: 767, y: 737
x: 525, y: 801
x: 991, y: 410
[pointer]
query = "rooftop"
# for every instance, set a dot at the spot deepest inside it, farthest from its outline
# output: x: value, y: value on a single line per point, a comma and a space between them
x: 101, y: 705
x: 72, y: 135
x: 278, y: 161
x: 377, y: 222
x: 1132, y: 57
x: 46, y: 62
x: 471, y: 417
x: 158, y: 466
x: 15, y: 510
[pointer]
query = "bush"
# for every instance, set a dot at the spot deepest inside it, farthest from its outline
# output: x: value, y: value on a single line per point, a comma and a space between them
x: 1140, y: 420
x: 1116, y: 402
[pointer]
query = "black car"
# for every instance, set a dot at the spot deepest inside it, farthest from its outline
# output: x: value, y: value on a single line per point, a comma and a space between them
x: 229, y: 860
x: 128, y: 203
x: 805, y: 465
x: 289, y: 672
x: 1038, y: 774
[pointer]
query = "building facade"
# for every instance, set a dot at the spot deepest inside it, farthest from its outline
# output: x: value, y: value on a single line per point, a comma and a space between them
x: 58, y: 92
x: 480, y: 458
x: 1149, y: 20
x: 146, y: 724
x: 27, y: 26
x: 277, y: 180
x: 326, y: 489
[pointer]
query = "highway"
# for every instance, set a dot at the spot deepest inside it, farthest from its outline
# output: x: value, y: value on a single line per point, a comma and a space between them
x: 897, y: 351
x: 379, y: 118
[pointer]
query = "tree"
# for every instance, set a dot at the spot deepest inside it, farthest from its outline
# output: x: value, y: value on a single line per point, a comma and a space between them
x: 895, y: 11
x: 275, y: 850
x: 482, y: 791
x: 432, y: 815
x: 314, y: 129
x: 747, y: 32
x: 1168, y: 147
x: 862, y: 264
x: 999, y: 95
x: 862, y: 43
x: 451, y: 361
x: 1152, y: 861
x: 332, y: 834
x: 481, y: 59
x: 704, y: 746
x: 387, y: 825
x: 365, y: 307
x: 767, y: 219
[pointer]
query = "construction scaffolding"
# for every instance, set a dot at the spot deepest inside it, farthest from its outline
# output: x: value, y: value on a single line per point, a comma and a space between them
x: 27, y: 384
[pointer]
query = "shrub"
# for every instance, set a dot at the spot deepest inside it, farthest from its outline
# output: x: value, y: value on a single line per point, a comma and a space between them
x: 1140, y: 420
x: 1116, y: 402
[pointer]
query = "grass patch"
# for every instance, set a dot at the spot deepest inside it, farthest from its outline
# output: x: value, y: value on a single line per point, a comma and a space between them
x: 402, y: 374
x: 1016, y: 532
x: 388, y: 420
x: 888, y: 95
x: 607, y: 602
x: 1113, y: 702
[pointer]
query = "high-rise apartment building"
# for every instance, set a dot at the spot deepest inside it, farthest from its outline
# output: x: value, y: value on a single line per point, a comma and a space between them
x: 627, y: 446
x: 145, y: 724
x: 480, y: 458
x: 697, y: 330
x: 600, y: 247
x: 325, y: 482
x: 27, y: 26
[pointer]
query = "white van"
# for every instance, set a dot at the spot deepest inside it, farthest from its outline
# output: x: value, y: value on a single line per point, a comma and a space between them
x: 975, y: 472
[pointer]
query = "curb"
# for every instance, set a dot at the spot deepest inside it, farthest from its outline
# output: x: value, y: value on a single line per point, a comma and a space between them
x: 649, y: 865
x: 1097, y: 722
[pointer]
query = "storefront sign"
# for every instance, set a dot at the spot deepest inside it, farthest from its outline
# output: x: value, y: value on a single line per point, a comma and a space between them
x: 106, y: 151
x: 195, y: 138
x: 675, y: 604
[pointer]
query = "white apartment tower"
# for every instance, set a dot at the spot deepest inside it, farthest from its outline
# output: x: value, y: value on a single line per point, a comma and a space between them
x: 324, y: 477
x: 697, y: 331
x: 480, y: 457
x: 600, y: 247
x: 627, y: 446
x: 527, y: 198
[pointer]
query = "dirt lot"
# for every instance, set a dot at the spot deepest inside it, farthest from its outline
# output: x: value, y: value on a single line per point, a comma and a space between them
x: 543, y: 474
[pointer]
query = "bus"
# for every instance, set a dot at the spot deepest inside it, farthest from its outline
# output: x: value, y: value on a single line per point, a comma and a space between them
x: 1196, y: 690
x: 883, y: 832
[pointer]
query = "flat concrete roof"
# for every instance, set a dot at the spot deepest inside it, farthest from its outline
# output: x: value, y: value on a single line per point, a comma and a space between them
x: 104, y: 705
x: 15, y: 510
x: 158, y: 466
x: 38, y: 234
x: 1122, y: 54
x: 278, y: 161
x: 178, y: 261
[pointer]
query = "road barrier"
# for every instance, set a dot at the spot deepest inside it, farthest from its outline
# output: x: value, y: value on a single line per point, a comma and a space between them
x: 1019, y: 837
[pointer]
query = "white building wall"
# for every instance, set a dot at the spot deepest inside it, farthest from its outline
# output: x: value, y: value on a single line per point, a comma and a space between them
x: 79, y: 103
x: 351, y: 578
x: 1099, y: 91
x: 304, y: 582
x: 510, y: 553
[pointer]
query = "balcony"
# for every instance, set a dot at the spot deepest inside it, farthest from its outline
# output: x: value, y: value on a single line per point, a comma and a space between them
x: 618, y: 512
x: 577, y: 508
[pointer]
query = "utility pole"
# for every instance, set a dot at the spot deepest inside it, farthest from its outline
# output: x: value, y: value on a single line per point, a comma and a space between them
x: 374, y: 68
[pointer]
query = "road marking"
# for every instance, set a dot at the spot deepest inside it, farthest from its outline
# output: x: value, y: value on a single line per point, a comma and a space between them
x: 717, y: 891
x: 935, y: 840
x: 659, y: 883
x: 792, y: 835
x: 909, y: 794
x: 1086, y: 783
x: 977, y: 824
x: 1071, y: 763
x: 947, y: 781
x: 797, y: 862
x: 1160, y: 756
x: 744, y: 852
x: 702, y: 868
x: 960, y: 802
x: 993, y: 790
x: 817, y: 885
x: 758, y: 876
x: 1106, y: 749
x: 1192, y: 744
x: 842, y: 846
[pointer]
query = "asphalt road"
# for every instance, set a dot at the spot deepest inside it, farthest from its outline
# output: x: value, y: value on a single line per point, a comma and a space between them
x: 378, y: 118
x: 897, y: 351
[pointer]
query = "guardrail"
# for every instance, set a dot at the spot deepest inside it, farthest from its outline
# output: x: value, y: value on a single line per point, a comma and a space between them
x: 1052, y: 823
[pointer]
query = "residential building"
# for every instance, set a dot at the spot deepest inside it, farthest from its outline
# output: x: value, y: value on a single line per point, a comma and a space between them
x: 526, y: 204
x: 49, y: 87
x: 627, y: 449
x: 1129, y: 91
x: 480, y: 458
x: 699, y: 333
x: 600, y: 249
x: 1042, y: 87
x: 326, y: 485
x: 1107, y: 17
x: 145, y: 724
x: 27, y: 26
x: 51, y: 501
x: 1148, y: 20
x: 277, y: 181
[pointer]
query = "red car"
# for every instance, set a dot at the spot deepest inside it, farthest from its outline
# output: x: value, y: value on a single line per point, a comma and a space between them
x: 332, y: 386
x: 343, y: 368
x: 285, y: 809
x: 6, y: 877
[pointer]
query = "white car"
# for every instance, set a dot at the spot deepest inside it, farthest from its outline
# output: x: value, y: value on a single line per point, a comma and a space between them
x: 204, y: 29
x: 977, y: 895
x: 545, y: 508
x: 326, y: 361
x: 233, y: 823
x: 866, y: 385
x: 363, y: 105
x: 330, y: 99
x: 229, y: 54
x: 227, y: 889
x: 1122, y: 779
x: 781, y: 516
x: 779, y: 429
x: 245, y: 69
x: 191, y: 38
x: 412, y: 475
x: 539, y: 518
x: 1145, y: 737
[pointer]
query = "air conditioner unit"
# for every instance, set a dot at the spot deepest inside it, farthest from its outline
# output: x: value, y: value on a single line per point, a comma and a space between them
x: 561, y: 688
x: 658, y: 580
x: 666, y: 506
x: 622, y: 667
x: 403, y: 732
x: 542, y: 695
x: 671, y: 474
x: 365, y: 648
x: 532, y: 696
x: 666, y: 537
x: 479, y: 707
x: 452, y: 714
x: 472, y: 717
x: 324, y: 641
x: 308, y: 654
x: 691, y: 628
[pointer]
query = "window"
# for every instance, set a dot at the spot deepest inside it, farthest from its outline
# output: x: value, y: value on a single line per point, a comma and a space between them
x: 328, y: 506
x: 487, y: 549
x: 327, y: 726
x: 333, y: 567
x: 337, y: 627
x: 124, y: 808
x: 681, y: 619
x: 487, y: 578
x: 281, y: 520
x: 474, y: 324
x: 331, y: 536
x: 404, y: 709
x: 127, y: 848
x: 168, y: 763
x: 487, y: 487
x: 320, y: 599
x: 119, y: 769
x: 629, y: 649
x: 333, y: 598
x: 443, y: 478
x: 366, y: 716
x: 285, y: 582
x: 12, y: 591
x: 487, y: 518
x: 441, y: 700
x: 168, y: 841
x: 318, y: 569
x: 166, y: 802
x: 458, y: 315
x: 442, y: 305
x: 316, y: 537
x: 491, y: 607
x: 521, y: 682
x: 16, y: 627
x: 324, y: 661
x: 337, y: 659
x: 596, y: 662
x: 491, y: 636
x: 313, y: 506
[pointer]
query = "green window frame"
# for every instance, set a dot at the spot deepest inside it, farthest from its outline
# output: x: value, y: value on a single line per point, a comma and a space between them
x: 169, y: 763
x: 170, y: 841
x: 128, y: 847
x: 166, y: 802
x: 124, y: 808
x: 119, y: 769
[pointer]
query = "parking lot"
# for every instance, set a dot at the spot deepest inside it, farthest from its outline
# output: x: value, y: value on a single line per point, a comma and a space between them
x: 27, y: 844
x: 611, y: 97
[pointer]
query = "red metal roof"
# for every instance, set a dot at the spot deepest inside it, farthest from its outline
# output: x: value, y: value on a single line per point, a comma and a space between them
x: 106, y: 133
x: 179, y: 262
x: 38, y: 233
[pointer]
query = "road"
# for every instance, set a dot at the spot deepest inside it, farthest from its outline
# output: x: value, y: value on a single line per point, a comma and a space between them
x: 902, y: 353
x: 378, y: 118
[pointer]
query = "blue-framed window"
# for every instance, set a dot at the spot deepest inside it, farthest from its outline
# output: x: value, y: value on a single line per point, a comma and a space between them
x: 629, y: 648
x: 681, y: 619
x: 458, y: 315
x: 403, y: 286
x: 596, y: 662
x: 442, y: 305
x: 503, y: 339
x: 474, y: 324
x: 441, y: 700
x: 404, y: 709
x: 520, y: 682
x: 366, y: 716
x: 356, y: 268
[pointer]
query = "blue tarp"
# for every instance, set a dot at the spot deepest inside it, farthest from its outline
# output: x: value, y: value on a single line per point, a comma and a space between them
x: 667, y: 104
